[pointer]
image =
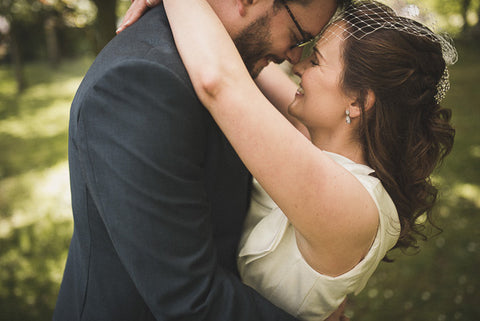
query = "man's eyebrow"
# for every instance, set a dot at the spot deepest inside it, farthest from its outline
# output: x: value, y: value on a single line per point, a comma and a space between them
x: 305, y: 35
x: 308, y: 34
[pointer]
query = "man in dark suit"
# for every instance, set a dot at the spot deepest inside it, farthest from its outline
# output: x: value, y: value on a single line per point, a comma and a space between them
x: 158, y: 194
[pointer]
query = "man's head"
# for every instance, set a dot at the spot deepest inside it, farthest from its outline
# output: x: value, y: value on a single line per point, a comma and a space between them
x: 268, y: 30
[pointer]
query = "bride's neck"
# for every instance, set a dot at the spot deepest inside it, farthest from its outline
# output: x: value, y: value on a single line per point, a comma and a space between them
x: 343, y: 145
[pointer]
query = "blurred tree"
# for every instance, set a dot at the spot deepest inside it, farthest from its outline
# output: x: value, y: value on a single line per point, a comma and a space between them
x: 36, y: 29
x: 475, y: 32
x: 469, y: 7
x: 465, y: 6
x: 106, y: 21
x: 53, y: 50
x: 457, y: 13
x: 59, y: 16
x: 13, y: 16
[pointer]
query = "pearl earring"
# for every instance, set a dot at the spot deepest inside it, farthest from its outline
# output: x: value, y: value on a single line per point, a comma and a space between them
x: 347, y: 118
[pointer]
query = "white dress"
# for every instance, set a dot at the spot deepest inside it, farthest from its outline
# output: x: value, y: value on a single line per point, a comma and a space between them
x: 270, y: 261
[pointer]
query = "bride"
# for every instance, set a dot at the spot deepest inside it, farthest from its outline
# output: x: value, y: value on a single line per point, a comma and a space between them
x: 343, y: 162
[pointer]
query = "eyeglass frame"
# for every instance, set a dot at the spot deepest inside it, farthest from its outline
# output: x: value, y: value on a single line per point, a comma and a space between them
x: 306, y: 44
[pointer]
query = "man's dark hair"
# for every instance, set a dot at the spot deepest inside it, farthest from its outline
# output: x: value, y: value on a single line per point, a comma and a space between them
x: 340, y: 3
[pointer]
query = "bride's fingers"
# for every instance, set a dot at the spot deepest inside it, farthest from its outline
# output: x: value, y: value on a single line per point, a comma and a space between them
x: 137, y: 8
x: 153, y: 3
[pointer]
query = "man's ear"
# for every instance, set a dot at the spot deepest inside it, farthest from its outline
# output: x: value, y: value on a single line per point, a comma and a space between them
x: 356, y: 104
x: 243, y: 6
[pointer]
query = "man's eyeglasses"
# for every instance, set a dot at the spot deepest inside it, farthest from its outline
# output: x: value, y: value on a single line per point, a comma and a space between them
x: 308, y: 43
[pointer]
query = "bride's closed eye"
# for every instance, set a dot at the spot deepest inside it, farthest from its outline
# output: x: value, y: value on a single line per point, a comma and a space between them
x: 316, y: 57
x: 314, y: 60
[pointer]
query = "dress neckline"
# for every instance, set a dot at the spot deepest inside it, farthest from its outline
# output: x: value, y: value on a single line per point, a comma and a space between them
x: 343, y: 160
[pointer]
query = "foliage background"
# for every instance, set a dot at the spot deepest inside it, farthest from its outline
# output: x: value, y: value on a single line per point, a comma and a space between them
x: 440, y: 283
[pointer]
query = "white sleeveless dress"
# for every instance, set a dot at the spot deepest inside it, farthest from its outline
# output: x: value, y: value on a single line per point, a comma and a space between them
x: 270, y: 261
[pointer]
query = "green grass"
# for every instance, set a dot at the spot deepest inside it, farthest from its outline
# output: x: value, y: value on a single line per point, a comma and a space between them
x: 35, y: 211
x: 440, y: 283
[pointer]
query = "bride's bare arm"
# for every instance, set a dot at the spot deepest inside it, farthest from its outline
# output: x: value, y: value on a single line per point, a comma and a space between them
x: 274, y: 83
x: 323, y: 201
x: 280, y: 90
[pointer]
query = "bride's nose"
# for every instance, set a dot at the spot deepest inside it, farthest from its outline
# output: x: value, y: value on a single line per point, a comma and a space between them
x: 299, y: 68
x: 293, y: 55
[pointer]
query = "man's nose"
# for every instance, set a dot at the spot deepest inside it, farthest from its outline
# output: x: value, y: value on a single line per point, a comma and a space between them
x: 294, y: 55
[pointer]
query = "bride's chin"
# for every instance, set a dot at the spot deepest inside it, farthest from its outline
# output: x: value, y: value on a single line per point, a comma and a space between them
x: 292, y: 107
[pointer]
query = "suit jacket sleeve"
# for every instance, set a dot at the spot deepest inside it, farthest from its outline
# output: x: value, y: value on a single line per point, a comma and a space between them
x: 141, y: 155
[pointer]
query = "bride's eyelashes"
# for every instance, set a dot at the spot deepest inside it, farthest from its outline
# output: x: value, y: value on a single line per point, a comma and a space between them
x: 314, y: 60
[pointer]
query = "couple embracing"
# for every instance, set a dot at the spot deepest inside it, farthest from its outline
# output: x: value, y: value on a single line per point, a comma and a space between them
x: 206, y: 185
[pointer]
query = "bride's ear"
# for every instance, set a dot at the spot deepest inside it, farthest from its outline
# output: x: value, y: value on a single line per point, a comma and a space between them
x: 367, y: 99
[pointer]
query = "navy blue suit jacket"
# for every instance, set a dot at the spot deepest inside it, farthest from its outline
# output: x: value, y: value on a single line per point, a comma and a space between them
x: 158, y: 194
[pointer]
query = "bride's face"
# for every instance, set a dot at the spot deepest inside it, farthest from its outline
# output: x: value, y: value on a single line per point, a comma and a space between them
x: 271, y: 36
x: 320, y: 102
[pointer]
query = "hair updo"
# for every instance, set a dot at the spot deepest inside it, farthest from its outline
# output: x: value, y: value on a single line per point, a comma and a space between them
x: 406, y: 133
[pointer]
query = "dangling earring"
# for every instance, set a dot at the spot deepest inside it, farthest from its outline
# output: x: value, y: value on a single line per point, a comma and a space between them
x: 347, y: 119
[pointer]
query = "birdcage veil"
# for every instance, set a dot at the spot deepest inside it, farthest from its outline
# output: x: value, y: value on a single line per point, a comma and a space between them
x: 364, y: 17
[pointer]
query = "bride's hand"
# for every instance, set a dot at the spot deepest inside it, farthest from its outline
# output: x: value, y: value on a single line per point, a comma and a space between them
x: 136, y: 10
x: 339, y: 315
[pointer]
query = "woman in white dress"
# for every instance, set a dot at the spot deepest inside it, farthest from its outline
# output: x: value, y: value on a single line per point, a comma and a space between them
x: 342, y: 172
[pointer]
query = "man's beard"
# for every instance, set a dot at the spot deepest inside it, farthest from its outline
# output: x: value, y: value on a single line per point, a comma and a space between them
x: 254, y: 43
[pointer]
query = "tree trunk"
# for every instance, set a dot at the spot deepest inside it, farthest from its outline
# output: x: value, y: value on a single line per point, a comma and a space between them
x: 106, y: 21
x: 53, y: 51
x: 476, y: 29
x: 17, y: 61
x: 465, y: 6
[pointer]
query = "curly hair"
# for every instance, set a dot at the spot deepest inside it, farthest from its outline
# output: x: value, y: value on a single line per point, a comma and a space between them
x: 406, y: 134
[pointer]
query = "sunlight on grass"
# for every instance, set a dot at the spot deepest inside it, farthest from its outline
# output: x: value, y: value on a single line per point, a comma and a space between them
x: 475, y: 151
x: 45, y: 193
x: 35, y: 229
x: 46, y: 122
x: 440, y: 283
x: 458, y: 191
x: 469, y: 192
x: 35, y: 209
x: 42, y: 122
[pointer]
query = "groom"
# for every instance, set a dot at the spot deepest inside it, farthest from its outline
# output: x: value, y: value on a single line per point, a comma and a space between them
x: 158, y: 194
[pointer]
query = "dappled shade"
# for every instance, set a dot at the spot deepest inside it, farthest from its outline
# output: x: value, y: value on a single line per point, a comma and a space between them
x: 440, y: 283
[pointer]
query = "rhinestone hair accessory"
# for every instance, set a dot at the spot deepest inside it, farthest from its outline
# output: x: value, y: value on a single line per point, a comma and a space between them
x: 443, y: 86
x: 364, y: 17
